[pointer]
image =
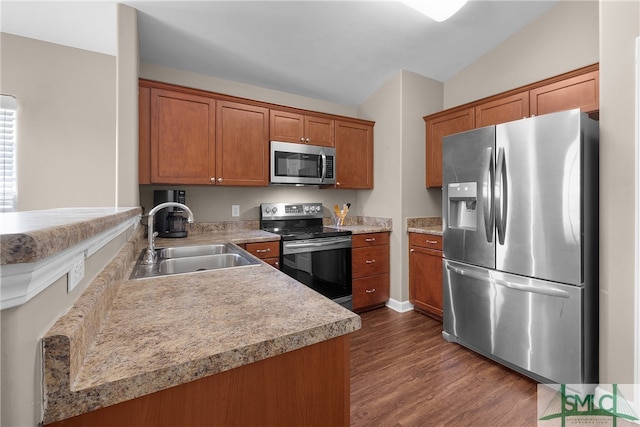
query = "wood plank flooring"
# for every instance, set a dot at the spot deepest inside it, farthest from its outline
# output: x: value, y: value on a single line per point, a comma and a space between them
x: 404, y: 374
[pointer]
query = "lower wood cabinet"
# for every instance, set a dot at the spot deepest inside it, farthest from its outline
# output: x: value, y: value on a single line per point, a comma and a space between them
x: 269, y: 252
x: 370, y: 270
x: 304, y: 387
x: 425, y: 273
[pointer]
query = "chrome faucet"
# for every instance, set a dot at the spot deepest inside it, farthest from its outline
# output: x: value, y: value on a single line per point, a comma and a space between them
x: 150, y: 256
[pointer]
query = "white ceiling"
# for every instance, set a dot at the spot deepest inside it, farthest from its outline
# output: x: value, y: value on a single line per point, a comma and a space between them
x: 339, y: 51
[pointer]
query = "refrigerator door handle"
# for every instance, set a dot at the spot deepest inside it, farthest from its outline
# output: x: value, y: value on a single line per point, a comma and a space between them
x: 517, y: 286
x: 500, y: 196
x: 488, y: 194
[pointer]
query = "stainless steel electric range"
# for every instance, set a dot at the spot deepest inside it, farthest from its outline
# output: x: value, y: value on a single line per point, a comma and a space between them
x: 317, y: 256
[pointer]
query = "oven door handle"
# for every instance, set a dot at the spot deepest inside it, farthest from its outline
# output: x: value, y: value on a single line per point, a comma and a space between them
x: 321, y: 245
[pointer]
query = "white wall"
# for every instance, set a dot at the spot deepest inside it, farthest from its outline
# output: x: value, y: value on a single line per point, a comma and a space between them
x: 563, y: 39
x: 399, y: 163
x: 66, y: 123
x: 619, y: 26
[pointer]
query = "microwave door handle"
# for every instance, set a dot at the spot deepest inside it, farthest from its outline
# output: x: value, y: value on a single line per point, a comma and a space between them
x: 324, y: 167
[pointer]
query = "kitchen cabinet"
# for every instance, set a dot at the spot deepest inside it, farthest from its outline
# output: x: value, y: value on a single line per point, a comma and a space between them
x: 437, y: 127
x: 507, y: 109
x: 269, y: 252
x: 307, y: 386
x: 182, y: 138
x: 354, y: 155
x: 288, y: 126
x: 242, y: 144
x: 370, y: 270
x: 575, y: 89
x: 581, y: 91
x: 193, y: 137
x: 425, y: 273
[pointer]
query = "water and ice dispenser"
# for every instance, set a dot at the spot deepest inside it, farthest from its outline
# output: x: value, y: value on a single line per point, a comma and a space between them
x: 462, y: 198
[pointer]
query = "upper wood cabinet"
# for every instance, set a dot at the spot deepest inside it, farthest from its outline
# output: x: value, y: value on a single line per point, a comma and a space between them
x: 182, y: 138
x: 576, y: 89
x: 354, y: 155
x: 194, y: 137
x: 287, y: 126
x: 438, y: 126
x: 242, y: 144
x: 502, y: 110
x: 582, y: 91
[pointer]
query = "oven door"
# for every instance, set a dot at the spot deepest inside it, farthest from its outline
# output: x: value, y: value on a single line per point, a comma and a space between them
x: 302, y: 164
x: 323, y: 264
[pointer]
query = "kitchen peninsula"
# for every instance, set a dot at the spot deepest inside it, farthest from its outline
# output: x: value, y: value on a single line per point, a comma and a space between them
x: 237, y: 345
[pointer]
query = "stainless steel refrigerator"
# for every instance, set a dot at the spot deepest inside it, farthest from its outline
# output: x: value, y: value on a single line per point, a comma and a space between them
x: 520, y: 245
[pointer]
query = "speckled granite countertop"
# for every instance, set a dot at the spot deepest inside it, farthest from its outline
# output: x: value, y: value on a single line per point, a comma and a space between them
x: 30, y: 236
x: 166, y: 331
x: 425, y: 225
x: 362, y: 224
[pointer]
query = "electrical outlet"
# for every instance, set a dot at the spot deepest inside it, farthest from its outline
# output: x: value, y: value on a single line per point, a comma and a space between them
x: 76, y: 274
x: 235, y: 210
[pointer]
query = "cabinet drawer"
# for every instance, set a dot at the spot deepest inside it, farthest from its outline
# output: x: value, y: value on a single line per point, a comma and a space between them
x: 264, y: 249
x: 430, y: 241
x: 371, y: 239
x: 370, y: 291
x: 370, y: 261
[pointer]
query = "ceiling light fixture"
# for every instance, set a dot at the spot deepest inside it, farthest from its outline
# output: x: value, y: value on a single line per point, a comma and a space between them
x: 438, y: 10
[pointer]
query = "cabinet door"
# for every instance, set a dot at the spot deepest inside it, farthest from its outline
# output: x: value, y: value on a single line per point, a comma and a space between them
x: 286, y: 127
x: 577, y: 92
x: 503, y: 110
x: 319, y: 131
x: 242, y: 144
x: 354, y: 155
x: 425, y: 280
x: 437, y: 127
x: 182, y: 138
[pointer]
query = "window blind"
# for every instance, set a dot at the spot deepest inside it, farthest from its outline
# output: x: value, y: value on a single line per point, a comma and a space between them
x: 8, y: 184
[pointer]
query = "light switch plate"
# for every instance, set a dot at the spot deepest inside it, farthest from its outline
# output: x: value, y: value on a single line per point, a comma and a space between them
x: 235, y: 210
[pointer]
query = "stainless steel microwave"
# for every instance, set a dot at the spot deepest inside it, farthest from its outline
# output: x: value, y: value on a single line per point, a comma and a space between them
x: 302, y: 164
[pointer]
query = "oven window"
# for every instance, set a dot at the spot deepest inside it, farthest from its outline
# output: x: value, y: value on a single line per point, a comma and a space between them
x: 327, y: 272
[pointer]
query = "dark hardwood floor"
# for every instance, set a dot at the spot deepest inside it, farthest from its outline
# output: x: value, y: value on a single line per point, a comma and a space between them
x: 404, y: 374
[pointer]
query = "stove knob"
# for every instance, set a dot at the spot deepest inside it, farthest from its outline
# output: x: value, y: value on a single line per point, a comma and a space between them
x: 273, y: 210
x: 266, y: 210
x: 306, y: 208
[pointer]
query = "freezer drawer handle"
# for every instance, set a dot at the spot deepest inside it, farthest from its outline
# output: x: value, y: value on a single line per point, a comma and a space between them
x: 517, y: 286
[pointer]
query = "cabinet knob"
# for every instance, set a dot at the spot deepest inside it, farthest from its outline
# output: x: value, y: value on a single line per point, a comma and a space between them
x: 412, y: 250
x: 370, y: 291
x: 219, y: 179
x: 301, y: 139
x: 213, y: 180
x: 337, y: 182
x: 307, y: 140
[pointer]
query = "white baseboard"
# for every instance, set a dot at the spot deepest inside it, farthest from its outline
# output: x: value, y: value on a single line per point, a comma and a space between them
x: 399, y: 306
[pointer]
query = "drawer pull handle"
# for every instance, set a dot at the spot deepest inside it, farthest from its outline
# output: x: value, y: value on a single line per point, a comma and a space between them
x: 412, y: 250
x: 370, y: 261
x: 432, y: 242
x: 370, y: 291
x: 262, y: 251
x: 370, y: 239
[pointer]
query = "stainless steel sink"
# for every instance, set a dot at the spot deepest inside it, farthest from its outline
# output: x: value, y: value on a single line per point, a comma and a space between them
x: 190, y: 251
x: 200, y: 263
x: 191, y: 259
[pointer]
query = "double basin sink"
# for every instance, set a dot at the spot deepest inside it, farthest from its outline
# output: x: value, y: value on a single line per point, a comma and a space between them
x: 191, y: 259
